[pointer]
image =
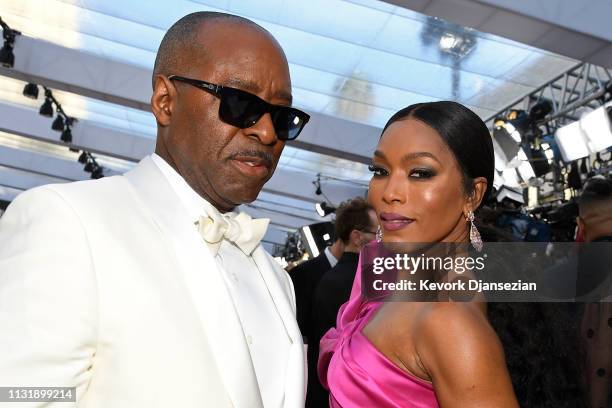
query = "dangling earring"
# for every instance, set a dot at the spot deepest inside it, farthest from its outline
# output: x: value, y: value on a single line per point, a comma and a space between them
x: 379, y: 234
x: 475, y: 238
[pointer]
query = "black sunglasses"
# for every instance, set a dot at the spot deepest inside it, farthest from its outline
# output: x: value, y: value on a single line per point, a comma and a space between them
x: 243, y: 109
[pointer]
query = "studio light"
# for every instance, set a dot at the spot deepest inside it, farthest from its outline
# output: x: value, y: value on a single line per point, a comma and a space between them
x: 548, y: 151
x: 312, y: 246
x: 540, y: 110
x: 509, y: 132
x: 47, y: 108
x: 459, y: 44
x: 532, y: 196
x: 448, y: 41
x: 521, y: 125
x: 506, y: 139
x: 314, y: 237
x: 324, y: 209
x: 514, y: 194
x: 7, y: 57
x: 90, y: 166
x: 30, y: 90
x: 539, y: 160
x: 550, y: 148
x: 571, y: 142
x: 513, y: 132
x: 58, y: 123
x: 66, y: 136
x: 83, y: 157
x: 498, y: 181
x: 63, y: 123
x: 510, y: 178
x: 97, y: 173
x: 596, y: 127
x: 525, y: 169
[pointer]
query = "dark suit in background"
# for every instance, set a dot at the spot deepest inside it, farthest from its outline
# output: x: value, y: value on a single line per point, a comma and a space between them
x: 333, y: 290
x: 305, y: 278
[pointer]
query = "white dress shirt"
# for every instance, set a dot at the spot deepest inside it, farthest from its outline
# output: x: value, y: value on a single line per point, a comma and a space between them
x: 330, y: 257
x: 249, y: 294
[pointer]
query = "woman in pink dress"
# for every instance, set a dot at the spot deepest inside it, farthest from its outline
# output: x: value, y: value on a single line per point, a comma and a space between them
x: 433, y: 167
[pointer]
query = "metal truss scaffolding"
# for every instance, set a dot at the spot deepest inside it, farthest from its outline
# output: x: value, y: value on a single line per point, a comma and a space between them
x: 580, y: 89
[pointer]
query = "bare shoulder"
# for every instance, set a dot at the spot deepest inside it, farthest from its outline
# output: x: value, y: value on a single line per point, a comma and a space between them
x: 452, y: 318
x: 444, y: 331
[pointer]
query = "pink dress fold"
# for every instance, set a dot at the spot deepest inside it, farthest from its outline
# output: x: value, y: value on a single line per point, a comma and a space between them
x: 359, y: 375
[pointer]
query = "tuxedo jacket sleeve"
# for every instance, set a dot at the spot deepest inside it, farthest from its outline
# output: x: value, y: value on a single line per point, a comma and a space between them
x: 49, y: 308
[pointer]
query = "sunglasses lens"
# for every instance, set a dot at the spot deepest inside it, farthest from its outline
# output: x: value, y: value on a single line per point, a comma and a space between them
x: 240, y: 109
x: 288, y: 123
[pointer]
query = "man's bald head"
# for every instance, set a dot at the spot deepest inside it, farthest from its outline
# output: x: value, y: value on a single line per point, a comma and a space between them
x: 597, y: 193
x: 183, y: 39
x: 226, y: 164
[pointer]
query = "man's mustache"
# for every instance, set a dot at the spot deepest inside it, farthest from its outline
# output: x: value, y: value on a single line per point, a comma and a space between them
x: 266, y: 157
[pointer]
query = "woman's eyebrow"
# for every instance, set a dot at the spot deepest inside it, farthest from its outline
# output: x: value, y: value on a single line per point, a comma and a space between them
x: 408, y: 156
x: 380, y: 154
x: 416, y: 155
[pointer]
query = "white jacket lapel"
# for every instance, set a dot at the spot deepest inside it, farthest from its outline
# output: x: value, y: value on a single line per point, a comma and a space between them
x: 205, y: 284
x: 281, y: 290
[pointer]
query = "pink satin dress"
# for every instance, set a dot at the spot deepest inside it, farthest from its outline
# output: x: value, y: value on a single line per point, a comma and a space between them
x: 356, y: 373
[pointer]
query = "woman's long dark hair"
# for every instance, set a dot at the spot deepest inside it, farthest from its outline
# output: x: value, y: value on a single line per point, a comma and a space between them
x: 543, y: 352
x: 542, y: 345
x: 464, y: 133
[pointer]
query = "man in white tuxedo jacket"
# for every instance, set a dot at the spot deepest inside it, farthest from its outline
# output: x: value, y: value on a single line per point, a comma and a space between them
x: 147, y: 289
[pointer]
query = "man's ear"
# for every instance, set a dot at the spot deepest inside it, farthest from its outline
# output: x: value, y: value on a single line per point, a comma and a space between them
x: 355, y: 238
x: 581, y: 228
x: 475, y: 198
x: 164, y: 95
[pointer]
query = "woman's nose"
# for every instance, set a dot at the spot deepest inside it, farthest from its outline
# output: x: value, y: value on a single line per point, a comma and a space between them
x: 395, y: 190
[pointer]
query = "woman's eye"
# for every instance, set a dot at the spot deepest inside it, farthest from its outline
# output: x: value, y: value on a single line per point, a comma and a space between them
x: 421, y: 173
x: 378, y: 171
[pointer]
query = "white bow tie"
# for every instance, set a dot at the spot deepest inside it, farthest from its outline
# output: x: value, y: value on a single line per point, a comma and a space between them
x: 240, y: 229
